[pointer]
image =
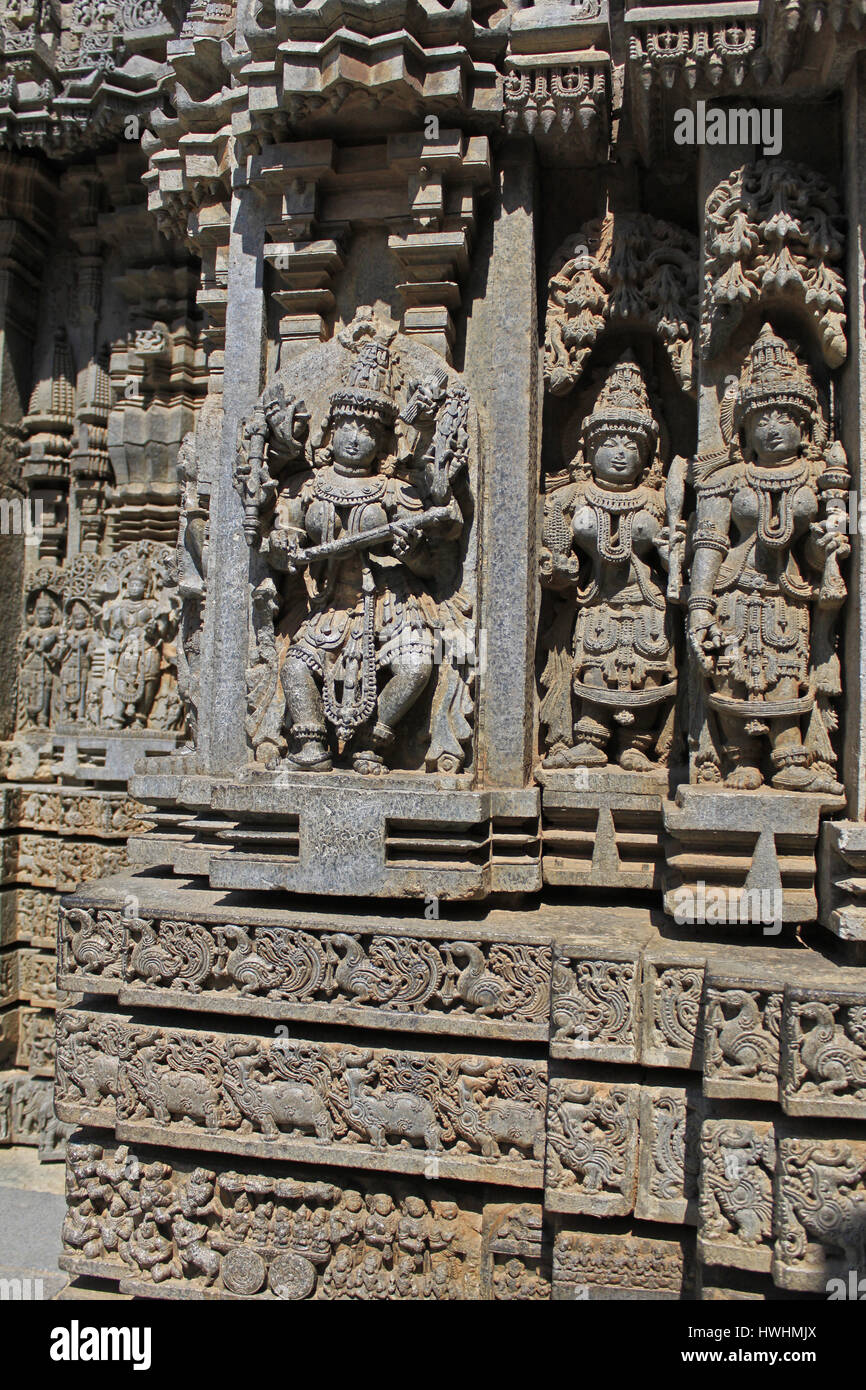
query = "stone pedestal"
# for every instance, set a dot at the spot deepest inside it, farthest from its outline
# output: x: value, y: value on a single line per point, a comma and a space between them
x: 742, y: 858
x: 602, y: 829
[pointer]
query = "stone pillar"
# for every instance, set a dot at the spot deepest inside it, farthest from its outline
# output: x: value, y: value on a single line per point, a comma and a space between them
x: 224, y: 659
x: 502, y: 372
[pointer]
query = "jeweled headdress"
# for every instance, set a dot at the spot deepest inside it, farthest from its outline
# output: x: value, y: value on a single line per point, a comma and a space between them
x: 773, y: 375
x: 623, y: 405
x: 366, y: 389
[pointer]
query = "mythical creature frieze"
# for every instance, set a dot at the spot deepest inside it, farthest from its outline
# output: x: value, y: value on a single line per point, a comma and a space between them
x: 738, y: 1160
x: 366, y: 977
x: 824, y: 1053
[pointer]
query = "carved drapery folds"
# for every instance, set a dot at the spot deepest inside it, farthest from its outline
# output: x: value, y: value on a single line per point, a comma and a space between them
x: 363, y: 624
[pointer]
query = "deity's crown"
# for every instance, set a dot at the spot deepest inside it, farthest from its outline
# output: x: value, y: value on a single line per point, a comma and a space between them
x: 773, y: 375
x: 366, y: 388
x: 623, y: 404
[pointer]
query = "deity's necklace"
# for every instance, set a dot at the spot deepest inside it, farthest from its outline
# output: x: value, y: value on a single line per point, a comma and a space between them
x: 624, y: 506
x: 325, y: 490
x: 775, y: 489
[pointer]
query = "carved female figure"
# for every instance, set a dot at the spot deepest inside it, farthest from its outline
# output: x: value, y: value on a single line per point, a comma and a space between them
x: 77, y: 649
x: 135, y: 629
x: 606, y: 543
x: 38, y: 656
x: 363, y: 654
x: 765, y: 582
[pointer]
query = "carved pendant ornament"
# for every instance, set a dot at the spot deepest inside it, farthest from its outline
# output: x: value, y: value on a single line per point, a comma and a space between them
x: 362, y: 626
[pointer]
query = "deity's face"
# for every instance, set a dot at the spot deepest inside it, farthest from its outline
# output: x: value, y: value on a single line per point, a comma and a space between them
x: 44, y: 614
x: 617, y: 458
x: 773, y: 436
x: 79, y: 617
x: 136, y: 587
x: 355, y: 442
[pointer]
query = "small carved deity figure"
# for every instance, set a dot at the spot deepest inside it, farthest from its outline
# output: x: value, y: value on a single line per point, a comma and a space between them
x: 765, y: 581
x: 606, y: 544
x: 365, y: 536
x: 78, y: 700
x: 191, y: 577
x: 135, y: 629
x: 38, y: 658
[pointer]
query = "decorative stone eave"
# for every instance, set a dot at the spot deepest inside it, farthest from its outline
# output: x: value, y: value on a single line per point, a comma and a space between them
x: 567, y: 93
x: 701, y: 46
x: 71, y: 82
x: 754, y: 46
x: 317, y: 83
x: 558, y: 78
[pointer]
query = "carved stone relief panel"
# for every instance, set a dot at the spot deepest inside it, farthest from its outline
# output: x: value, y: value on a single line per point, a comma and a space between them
x: 358, y: 471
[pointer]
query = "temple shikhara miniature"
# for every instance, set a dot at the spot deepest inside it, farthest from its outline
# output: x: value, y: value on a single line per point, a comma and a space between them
x: 432, y: 710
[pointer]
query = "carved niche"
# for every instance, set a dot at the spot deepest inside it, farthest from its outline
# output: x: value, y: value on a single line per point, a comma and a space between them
x: 358, y: 472
x: 766, y: 587
x: 607, y: 547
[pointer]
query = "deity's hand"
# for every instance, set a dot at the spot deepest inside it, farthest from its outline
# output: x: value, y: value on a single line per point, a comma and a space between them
x: 830, y: 535
x: 705, y: 639
x: 665, y: 542
x: 403, y: 540
x: 555, y: 565
x: 282, y: 551
x: 427, y: 398
x: 288, y: 420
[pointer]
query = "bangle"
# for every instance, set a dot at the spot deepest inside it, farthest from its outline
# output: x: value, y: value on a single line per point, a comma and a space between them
x: 708, y: 538
x: 700, y: 601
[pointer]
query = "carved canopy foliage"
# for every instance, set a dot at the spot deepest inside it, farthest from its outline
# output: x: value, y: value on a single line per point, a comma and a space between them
x: 773, y: 232
x: 631, y: 270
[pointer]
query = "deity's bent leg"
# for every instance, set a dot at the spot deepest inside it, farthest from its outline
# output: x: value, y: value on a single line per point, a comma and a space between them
x: 409, y: 678
x: 306, y: 715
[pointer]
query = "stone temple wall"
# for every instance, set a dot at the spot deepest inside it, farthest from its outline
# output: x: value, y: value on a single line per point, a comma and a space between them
x: 433, y: 645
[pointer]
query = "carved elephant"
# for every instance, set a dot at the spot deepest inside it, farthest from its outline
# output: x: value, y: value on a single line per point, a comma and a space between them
x: 276, y: 1105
